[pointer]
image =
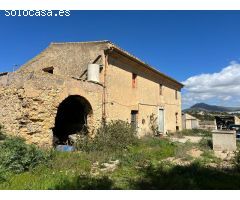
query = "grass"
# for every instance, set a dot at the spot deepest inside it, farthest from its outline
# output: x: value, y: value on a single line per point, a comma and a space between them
x: 141, y: 167
x: 194, y: 176
x: 72, y: 170
x: 193, y: 132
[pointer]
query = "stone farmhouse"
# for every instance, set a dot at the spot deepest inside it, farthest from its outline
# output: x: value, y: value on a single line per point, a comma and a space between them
x: 76, y: 86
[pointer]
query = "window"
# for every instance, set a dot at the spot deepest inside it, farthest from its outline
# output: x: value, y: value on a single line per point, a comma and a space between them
x: 134, y: 114
x: 176, y: 94
x: 160, y: 89
x: 48, y: 70
x: 177, y: 127
x: 176, y: 115
x: 134, y: 80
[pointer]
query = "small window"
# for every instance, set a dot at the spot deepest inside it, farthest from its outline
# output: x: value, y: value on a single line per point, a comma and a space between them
x: 176, y: 115
x: 3, y: 73
x: 176, y: 94
x: 160, y: 89
x: 48, y: 70
x: 134, y: 80
x: 177, y: 128
x: 134, y: 114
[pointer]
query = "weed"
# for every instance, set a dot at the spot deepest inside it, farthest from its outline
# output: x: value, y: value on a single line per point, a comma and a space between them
x: 194, y: 176
x: 182, y: 149
x: 140, y: 167
x: 236, y: 161
x: 195, y: 132
x: 153, y: 124
x: 17, y: 156
x: 116, y: 135
x: 205, y: 143
x: 85, y: 182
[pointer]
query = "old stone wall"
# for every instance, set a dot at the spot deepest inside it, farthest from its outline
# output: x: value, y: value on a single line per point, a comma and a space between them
x: 28, y: 108
x: 67, y: 59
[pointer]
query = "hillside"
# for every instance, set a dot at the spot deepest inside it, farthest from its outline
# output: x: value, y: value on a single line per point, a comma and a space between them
x: 211, y: 108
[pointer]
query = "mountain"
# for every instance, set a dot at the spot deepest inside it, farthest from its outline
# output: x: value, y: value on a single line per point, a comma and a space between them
x: 212, y: 108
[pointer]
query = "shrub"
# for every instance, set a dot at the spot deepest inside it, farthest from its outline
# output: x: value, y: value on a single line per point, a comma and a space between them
x: 154, y: 124
x: 116, y: 135
x: 17, y: 156
x: 84, y: 143
x: 236, y: 161
x: 206, y: 143
x: 3, y: 174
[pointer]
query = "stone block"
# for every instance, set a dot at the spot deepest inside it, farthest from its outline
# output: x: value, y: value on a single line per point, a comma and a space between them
x: 224, y: 140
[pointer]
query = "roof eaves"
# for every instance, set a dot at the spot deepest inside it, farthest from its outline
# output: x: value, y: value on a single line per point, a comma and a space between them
x: 84, y: 42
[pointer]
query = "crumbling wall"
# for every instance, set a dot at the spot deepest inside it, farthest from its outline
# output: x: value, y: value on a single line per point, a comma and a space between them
x: 29, y: 114
x: 29, y: 105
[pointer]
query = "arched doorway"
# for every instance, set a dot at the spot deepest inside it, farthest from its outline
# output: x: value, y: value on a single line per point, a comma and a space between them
x: 72, y: 117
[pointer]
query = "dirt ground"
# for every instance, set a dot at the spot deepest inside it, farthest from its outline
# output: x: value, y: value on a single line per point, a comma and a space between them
x: 215, y: 159
x: 192, y: 139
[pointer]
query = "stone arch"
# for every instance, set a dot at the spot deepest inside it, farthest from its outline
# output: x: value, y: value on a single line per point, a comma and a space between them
x: 73, y: 116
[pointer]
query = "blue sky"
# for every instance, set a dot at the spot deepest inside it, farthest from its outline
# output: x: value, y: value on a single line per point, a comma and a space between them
x: 182, y: 44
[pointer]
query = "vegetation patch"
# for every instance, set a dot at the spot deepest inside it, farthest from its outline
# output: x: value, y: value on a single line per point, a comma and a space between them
x: 193, y: 176
x: 114, y: 136
x: 147, y: 163
x: 191, y: 132
x: 16, y: 156
x: 236, y: 161
x: 196, y: 132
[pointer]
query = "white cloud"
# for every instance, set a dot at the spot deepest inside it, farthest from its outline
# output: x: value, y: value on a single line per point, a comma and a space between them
x: 221, y: 86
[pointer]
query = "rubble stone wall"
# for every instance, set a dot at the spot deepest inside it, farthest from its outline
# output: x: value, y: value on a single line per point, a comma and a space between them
x: 29, y: 107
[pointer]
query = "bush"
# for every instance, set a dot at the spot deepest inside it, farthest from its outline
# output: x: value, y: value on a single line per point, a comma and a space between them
x: 17, y: 156
x: 3, y: 174
x: 236, y: 161
x: 84, y: 143
x: 206, y: 143
x: 116, y: 135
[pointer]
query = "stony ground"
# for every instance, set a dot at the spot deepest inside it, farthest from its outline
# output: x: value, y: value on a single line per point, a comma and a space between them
x: 221, y: 159
x: 192, y: 139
